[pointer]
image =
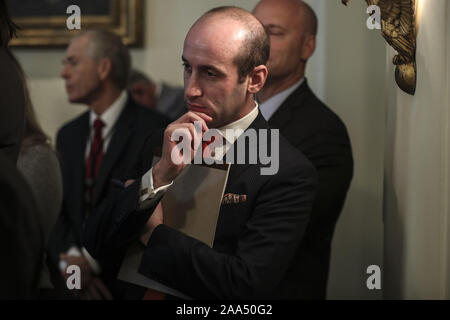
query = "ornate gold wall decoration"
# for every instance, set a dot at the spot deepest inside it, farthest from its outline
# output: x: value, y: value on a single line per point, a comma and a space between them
x: 398, y: 26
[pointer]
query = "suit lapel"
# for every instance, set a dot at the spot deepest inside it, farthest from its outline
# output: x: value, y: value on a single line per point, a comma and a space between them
x: 237, y: 169
x: 122, y: 131
x: 285, y: 112
x: 77, y: 167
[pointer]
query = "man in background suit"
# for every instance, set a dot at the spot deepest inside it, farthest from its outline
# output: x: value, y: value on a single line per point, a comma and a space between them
x: 163, y: 98
x: 257, y: 233
x: 96, y: 147
x: 288, y: 103
x: 12, y: 94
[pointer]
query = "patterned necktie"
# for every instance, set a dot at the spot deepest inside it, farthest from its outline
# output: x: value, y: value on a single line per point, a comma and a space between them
x: 94, y: 160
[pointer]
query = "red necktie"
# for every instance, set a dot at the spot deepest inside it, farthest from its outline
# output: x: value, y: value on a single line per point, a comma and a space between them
x: 94, y: 159
x: 207, y: 143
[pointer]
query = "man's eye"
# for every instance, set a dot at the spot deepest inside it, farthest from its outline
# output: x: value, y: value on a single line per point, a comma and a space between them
x: 186, y: 66
x: 210, y: 74
x: 275, y: 33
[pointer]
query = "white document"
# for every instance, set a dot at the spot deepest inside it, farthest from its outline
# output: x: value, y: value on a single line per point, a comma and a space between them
x: 191, y: 205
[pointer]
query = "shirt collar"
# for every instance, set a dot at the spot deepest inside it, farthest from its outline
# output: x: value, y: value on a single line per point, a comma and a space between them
x: 269, y: 107
x: 110, y: 116
x: 242, y: 124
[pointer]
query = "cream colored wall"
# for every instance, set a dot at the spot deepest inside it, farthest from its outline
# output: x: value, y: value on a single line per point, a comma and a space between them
x: 347, y: 72
x: 417, y: 167
x: 354, y: 76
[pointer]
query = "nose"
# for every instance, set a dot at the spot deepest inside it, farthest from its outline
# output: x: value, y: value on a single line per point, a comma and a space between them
x: 192, y: 88
x: 65, y: 72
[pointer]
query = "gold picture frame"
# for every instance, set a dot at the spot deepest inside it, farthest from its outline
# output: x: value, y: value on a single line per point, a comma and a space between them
x: 124, y: 17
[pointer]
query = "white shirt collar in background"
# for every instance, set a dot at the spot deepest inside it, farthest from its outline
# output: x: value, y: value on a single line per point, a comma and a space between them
x: 269, y: 107
x: 109, y: 118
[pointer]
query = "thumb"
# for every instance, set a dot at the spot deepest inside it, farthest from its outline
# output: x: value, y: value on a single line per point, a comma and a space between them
x: 129, y: 182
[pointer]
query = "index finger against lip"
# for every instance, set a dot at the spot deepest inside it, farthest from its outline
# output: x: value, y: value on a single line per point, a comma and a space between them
x: 204, y: 116
x: 198, y: 116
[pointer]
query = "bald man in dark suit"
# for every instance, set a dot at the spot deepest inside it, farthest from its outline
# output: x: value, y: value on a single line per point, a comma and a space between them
x: 287, y: 103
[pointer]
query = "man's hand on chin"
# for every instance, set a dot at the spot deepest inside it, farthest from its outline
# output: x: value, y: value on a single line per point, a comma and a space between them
x: 173, y: 160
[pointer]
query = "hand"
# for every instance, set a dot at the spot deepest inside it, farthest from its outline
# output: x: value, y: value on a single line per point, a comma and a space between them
x: 96, y: 290
x: 172, y: 161
x: 83, y: 264
x: 155, y: 220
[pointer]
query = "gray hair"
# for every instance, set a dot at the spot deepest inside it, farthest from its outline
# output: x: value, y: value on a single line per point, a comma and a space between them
x: 105, y: 44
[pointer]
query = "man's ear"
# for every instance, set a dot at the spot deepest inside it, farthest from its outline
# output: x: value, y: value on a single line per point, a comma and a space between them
x: 257, y: 79
x: 309, y: 46
x: 104, y: 68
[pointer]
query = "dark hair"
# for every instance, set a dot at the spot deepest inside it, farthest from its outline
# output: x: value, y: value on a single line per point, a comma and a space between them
x: 33, y: 135
x: 7, y: 27
x: 255, y: 49
x: 137, y: 77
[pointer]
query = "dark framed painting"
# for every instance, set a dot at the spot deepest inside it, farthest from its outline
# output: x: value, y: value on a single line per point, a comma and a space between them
x: 44, y: 23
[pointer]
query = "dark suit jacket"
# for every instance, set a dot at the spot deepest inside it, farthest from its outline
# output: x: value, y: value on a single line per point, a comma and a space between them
x: 21, y: 238
x: 12, y: 106
x: 131, y: 129
x: 254, y: 241
x: 318, y: 132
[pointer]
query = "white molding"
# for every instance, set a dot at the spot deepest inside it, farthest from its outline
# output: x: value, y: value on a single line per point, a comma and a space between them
x: 445, y: 289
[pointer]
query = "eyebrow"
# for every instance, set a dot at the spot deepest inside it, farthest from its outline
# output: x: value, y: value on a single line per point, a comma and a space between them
x: 69, y: 59
x: 204, y: 67
x: 274, y: 26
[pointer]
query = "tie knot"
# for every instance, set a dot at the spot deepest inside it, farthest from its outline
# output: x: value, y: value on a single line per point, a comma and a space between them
x: 98, y: 124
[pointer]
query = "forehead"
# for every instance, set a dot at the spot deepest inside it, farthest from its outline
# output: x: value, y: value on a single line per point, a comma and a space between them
x: 278, y: 13
x: 214, y: 42
x: 78, y: 46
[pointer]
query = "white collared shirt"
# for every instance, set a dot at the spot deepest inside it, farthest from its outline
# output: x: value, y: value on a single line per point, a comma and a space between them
x: 149, y: 194
x: 109, y: 118
x: 269, y: 107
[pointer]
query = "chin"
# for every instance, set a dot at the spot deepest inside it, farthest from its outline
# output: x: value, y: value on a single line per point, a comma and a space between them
x: 75, y: 100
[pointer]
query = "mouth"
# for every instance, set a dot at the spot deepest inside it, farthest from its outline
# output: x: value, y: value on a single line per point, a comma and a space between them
x: 196, y: 108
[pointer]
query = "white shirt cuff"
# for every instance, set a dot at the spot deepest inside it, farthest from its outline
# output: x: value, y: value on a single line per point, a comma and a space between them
x: 92, y: 262
x: 149, y: 195
x: 74, y: 252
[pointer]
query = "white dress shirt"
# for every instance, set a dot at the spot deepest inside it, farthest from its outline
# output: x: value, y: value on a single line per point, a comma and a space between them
x: 109, y: 118
x: 269, y: 107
